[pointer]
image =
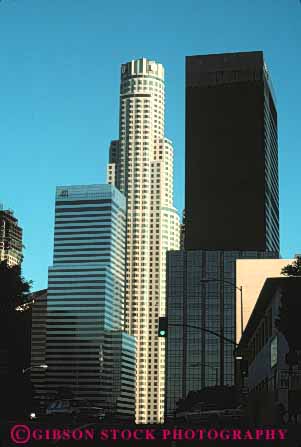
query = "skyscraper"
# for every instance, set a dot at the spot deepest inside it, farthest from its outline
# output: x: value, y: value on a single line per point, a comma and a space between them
x: 231, y: 213
x: 38, y: 341
x: 10, y: 238
x: 86, y: 346
x: 141, y: 166
x: 231, y: 154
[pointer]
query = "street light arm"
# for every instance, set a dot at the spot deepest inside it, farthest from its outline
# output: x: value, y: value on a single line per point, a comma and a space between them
x: 222, y: 280
x: 214, y: 368
x: 193, y: 365
x: 225, y: 281
x: 204, y: 330
x: 24, y: 370
x: 232, y: 284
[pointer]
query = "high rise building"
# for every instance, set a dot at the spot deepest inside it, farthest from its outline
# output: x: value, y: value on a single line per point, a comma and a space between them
x: 252, y: 273
x: 38, y: 342
x: 231, y: 154
x: 182, y: 232
x: 10, y: 238
x: 231, y: 213
x: 141, y: 167
x: 201, y: 312
x: 274, y: 381
x: 87, y: 349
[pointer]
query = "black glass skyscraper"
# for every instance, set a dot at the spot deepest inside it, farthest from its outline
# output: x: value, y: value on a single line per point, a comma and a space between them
x: 231, y: 154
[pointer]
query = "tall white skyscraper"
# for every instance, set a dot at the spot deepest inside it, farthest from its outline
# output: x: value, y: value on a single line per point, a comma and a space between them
x: 141, y: 166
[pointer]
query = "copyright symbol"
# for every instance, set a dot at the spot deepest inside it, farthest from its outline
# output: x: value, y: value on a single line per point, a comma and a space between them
x: 20, y: 434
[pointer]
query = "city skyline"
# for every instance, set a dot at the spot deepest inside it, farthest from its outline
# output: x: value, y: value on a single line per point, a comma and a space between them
x: 64, y: 104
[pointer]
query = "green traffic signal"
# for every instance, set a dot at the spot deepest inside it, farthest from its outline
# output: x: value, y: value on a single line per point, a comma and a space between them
x: 162, y: 327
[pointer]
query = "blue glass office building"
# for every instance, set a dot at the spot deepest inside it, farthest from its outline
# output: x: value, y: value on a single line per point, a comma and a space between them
x: 87, y: 349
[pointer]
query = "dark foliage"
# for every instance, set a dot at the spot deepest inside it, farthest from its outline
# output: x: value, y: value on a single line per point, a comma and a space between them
x: 14, y: 289
x: 15, y: 337
x: 218, y: 397
x: 293, y: 269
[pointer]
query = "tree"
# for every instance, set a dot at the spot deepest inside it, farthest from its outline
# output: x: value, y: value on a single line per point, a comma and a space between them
x: 14, y: 289
x: 293, y: 269
x: 218, y: 396
x: 15, y: 331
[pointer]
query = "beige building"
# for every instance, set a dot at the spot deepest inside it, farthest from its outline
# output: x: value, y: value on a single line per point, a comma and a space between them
x: 251, y: 275
x: 10, y: 238
x: 141, y: 166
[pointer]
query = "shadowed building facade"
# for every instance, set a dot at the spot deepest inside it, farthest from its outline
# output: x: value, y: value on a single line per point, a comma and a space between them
x: 231, y: 189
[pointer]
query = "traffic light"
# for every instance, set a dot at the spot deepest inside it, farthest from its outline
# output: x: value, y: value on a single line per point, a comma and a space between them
x: 291, y: 358
x: 162, y: 327
x: 244, y: 367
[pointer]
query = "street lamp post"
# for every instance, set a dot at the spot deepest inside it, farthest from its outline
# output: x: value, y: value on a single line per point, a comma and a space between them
x: 207, y: 366
x: 236, y: 287
x: 209, y: 331
x: 225, y: 281
x: 222, y: 337
x: 24, y: 370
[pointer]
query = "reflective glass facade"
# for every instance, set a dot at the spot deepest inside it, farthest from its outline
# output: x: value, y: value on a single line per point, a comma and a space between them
x: 85, y: 314
x: 194, y: 357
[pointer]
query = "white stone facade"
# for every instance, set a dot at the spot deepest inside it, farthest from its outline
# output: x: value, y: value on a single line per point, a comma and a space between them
x: 141, y: 166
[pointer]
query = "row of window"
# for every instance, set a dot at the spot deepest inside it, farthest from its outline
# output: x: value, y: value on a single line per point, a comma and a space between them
x: 261, y: 335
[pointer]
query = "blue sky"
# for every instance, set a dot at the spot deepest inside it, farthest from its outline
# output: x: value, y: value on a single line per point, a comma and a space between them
x: 59, y: 87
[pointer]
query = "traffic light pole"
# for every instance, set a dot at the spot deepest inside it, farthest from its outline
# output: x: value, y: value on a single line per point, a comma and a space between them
x: 190, y: 326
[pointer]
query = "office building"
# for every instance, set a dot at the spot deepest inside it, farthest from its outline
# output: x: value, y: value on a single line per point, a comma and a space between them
x: 85, y: 312
x: 273, y: 390
x: 231, y: 213
x: 231, y: 190
x: 141, y: 167
x: 10, y: 238
x: 251, y: 275
x: 182, y: 232
x: 38, y: 342
x: 201, y: 303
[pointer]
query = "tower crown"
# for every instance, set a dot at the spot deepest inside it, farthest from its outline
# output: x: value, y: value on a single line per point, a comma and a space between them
x: 142, y: 67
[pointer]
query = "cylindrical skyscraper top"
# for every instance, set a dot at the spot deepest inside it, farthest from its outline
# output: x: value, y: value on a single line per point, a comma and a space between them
x: 142, y: 67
